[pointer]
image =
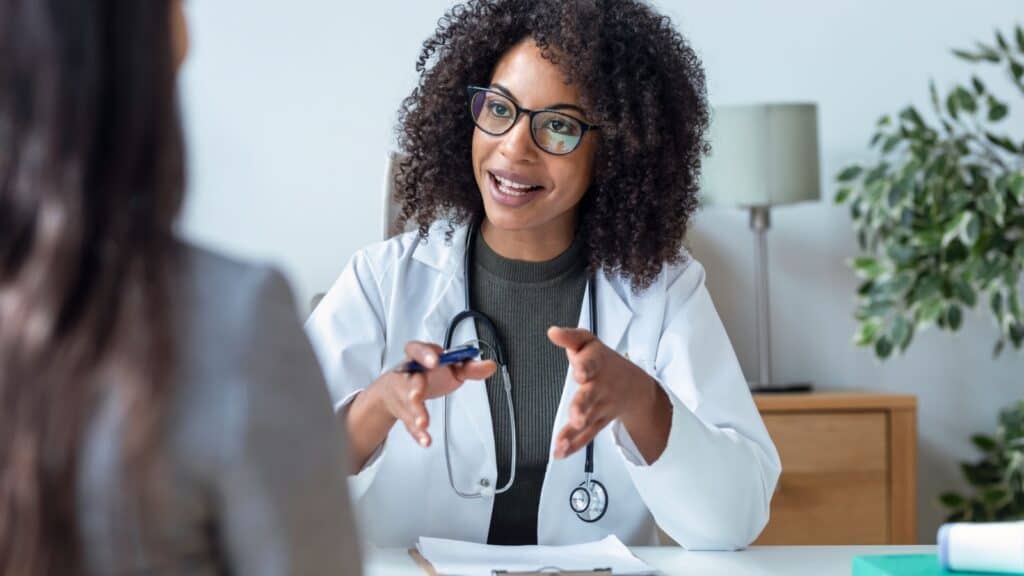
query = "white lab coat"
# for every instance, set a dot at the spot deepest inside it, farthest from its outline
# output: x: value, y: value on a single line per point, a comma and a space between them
x: 709, y: 489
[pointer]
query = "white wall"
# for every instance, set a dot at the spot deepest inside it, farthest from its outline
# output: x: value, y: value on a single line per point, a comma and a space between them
x: 290, y: 110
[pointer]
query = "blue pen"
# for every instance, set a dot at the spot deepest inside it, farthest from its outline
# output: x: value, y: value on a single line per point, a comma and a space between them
x: 453, y: 356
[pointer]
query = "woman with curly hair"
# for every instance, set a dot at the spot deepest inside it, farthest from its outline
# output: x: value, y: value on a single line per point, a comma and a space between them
x: 552, y: 152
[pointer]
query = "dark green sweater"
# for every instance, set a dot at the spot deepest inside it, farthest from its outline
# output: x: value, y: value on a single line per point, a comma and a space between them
x: 524, y: 299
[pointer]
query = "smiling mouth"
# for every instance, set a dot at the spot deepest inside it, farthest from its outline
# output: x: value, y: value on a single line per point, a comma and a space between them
x: 511, y: 188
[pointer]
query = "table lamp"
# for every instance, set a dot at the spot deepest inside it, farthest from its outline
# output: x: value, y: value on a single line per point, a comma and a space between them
x: 762, y: 156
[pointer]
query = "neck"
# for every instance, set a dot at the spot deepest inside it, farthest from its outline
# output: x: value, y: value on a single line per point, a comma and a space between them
x: 532, y: 245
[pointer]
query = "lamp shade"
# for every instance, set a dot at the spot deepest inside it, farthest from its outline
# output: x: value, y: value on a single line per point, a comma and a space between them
x: 762, y: 155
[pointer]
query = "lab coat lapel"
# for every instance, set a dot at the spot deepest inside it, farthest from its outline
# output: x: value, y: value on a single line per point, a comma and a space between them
x: 554, y: 516
x: 471, y: 397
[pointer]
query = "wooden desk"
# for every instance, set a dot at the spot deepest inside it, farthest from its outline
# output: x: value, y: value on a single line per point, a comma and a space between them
x: 849, y: 468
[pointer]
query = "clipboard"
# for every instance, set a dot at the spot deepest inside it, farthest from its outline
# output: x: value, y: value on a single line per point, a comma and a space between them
x: 429, y: 569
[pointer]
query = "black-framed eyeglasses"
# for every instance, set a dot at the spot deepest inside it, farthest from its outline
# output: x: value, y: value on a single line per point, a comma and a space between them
x: 553, y: 131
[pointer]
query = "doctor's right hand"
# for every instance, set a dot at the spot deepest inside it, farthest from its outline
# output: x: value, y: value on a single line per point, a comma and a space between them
x: 398, y: 396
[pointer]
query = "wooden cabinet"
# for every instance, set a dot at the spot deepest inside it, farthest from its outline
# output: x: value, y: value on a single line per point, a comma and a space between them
x: 849, y: 468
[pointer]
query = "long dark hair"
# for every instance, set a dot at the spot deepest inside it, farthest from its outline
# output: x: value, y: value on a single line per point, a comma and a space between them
x: 90, y: 184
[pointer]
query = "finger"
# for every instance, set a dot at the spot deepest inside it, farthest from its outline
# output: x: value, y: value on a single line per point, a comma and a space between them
x: 476, y: 370
x: 570, y: 440
x: 412, y: 406
x: 423, y: 352
x: 418, y: 412
x: 572, y: 339
x: 580, y: 407
x: 422, y: 437
x: 586, y: 366
x: 405, y: 411
x: 415, y: 387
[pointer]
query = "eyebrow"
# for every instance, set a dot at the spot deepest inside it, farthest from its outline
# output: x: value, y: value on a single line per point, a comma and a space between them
x: 559, y: 106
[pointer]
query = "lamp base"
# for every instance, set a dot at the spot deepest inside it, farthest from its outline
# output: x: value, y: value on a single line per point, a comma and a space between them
x: 757, y: 388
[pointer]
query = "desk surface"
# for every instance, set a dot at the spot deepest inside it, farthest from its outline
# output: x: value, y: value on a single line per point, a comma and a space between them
x: 671, y: 560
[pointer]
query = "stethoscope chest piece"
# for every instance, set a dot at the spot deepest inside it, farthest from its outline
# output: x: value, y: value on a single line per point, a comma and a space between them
x: 589, y: 500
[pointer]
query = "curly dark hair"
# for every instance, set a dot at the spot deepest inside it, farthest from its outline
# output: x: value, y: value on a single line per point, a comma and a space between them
x: 638, y: 78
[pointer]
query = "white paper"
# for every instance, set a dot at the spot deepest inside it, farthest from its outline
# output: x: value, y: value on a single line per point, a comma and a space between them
x: 457, y: 558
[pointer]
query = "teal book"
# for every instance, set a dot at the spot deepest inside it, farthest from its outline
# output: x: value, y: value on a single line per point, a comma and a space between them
x: 904, y: 565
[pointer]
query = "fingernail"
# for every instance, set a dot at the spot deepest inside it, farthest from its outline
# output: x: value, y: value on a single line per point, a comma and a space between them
x: 430, y: 359
x: 423, y: 441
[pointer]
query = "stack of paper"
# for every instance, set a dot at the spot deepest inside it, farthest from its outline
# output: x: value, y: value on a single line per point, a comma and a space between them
x: 468, y: 559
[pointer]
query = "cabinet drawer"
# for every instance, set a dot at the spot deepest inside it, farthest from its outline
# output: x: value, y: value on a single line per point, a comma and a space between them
x: 835, y: 476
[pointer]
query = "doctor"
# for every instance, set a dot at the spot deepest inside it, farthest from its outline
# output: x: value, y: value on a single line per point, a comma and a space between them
x: 553, y: 153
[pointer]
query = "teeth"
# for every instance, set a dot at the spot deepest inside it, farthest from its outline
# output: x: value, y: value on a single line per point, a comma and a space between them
x: 506, y: 183
x: 511, y: 191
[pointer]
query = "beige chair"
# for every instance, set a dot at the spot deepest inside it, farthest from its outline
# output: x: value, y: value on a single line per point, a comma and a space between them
x: 389, y: 208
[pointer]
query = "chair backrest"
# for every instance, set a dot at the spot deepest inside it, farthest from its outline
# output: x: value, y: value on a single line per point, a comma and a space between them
x: 390, y: 208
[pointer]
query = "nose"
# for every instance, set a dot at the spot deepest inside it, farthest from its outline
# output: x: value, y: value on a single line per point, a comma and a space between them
x: 517, y: 144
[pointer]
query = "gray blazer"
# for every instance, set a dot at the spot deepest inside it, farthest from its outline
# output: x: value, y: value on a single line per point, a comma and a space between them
x: 255, y: 463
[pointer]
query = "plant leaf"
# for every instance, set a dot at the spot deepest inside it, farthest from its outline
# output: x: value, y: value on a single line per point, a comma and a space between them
x: 996, y: 304
x: 992, y: 205
x: 995, y: 496
x: 964, y: 55
x: 954, y: 317
x: 883, y: 347
x: 952, y: 500
x: 900, y: 332
x: 996, y: 110
x: 929, y: 311
x: 988, y: 53
x: 970, y: 229
x: 1017, y: 69
x: 843, y: 195
x: 890, y: 143
x: 849, y: 173
x: 1001, y: 41
x: 867, y: 267
x: 966, y: 99
x: 979, y: 87
x: 964, y: 293
x: 953, y: 105
x: 867, y: 332
x: 1017, y: 187
x: 986, y: 444
x: 1002, y: 141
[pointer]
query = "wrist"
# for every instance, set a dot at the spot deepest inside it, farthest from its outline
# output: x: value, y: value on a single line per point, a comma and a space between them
x: 375, y: 406
x: 644, y: 397
x: 368, y: 421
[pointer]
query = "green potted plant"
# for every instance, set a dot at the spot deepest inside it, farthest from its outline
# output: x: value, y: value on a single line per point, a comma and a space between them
x: 939, y: 216
x: 997, y: 479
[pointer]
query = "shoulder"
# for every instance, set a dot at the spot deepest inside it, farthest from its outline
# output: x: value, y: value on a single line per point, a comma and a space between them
x: 212, y: 272
x: 223, y: 306
x: 678, y: 280
x: 436, y: 250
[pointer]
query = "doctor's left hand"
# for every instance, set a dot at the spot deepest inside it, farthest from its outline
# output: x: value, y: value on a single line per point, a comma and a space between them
x: 610, y: 387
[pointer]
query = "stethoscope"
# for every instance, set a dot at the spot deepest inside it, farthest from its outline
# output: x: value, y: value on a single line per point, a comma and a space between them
x: 589, y: 500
